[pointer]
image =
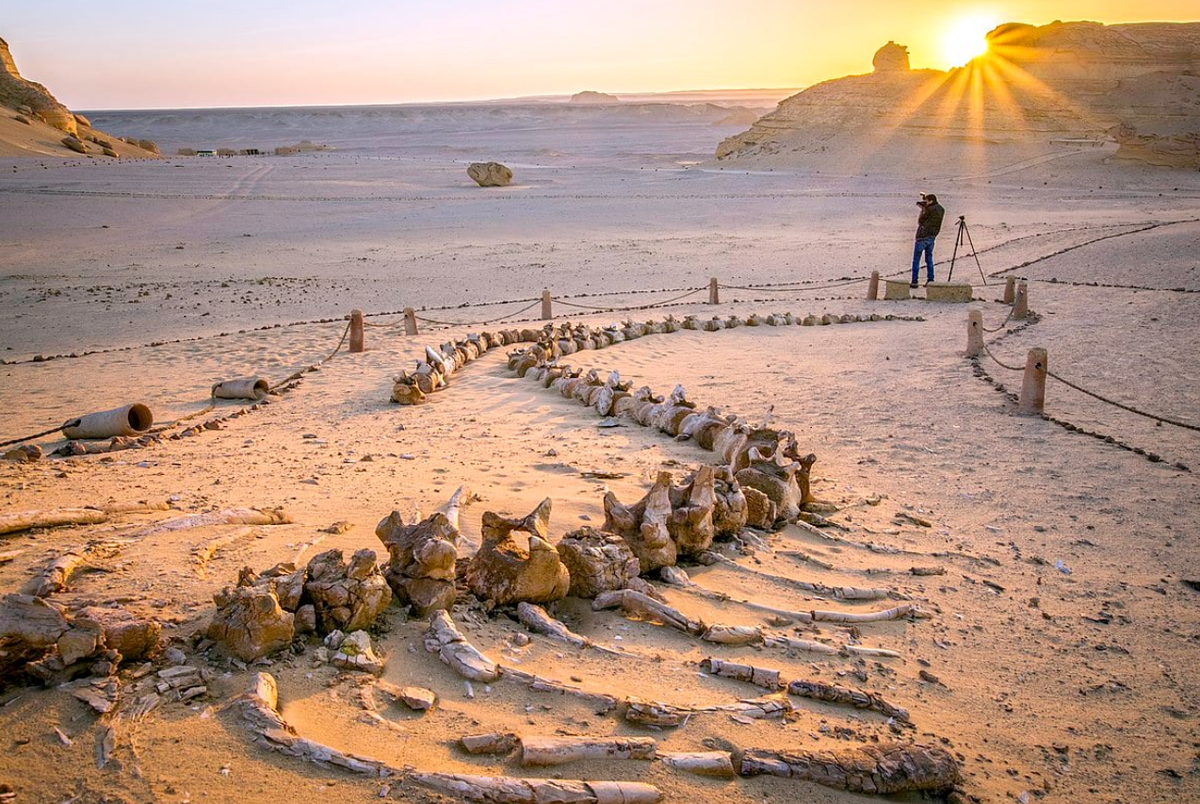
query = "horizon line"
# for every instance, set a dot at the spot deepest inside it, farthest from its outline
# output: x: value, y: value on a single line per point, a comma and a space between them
x: 550, y: 98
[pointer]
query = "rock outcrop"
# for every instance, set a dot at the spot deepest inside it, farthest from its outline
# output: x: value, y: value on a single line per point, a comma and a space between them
x: 1038, y: 90
x: 890, y: 58
x: 591, y: 96
x: 16, y: 91
x: 490, y: 174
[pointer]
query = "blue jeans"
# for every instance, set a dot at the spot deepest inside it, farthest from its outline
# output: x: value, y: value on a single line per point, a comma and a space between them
x: 924, y: 246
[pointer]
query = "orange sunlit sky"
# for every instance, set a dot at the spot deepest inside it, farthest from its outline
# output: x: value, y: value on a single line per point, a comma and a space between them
x: 300, y: 52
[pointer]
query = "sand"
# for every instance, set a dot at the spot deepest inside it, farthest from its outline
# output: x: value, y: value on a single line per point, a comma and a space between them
x: 1056, y: 686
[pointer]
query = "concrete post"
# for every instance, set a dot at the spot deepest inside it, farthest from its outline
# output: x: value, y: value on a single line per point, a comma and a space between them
x: 974, y: 333
x: 1010, y: 289
x: 714, y: 291
x: 1020, y: 309
x: 356, y: 331
x: 547, y: 313
x: 410, y: 321
x: 873, y: 287
x: 1033, y: 386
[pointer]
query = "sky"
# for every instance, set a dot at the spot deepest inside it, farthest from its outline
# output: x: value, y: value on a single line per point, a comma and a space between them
x: 144, y: 54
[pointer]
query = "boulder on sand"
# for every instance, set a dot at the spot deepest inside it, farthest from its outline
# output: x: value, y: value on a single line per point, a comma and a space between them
x: 490, y: 174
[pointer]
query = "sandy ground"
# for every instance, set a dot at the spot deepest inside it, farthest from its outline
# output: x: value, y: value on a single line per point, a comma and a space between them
x: 1056, y: 686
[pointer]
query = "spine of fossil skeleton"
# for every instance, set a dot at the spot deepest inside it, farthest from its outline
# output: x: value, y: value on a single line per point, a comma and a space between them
x: 882, y: 770
x: 832, y: 693
x: 763, y: 677
x: 715, y: 764
x: 508, y: 790
x: 548, y: 751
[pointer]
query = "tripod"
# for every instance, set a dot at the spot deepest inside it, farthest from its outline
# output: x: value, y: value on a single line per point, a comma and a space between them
x: 964, y: 236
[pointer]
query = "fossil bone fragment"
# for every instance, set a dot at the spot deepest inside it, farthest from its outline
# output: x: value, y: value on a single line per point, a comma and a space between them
x: 505, y: 573
x: 597, y: 561
x: 877, y: 769
x: 55, y: 518
x: 249, y: 623
x: 766, y: 678
x: 422, y: 556
x: 536, y: 619
x: 508, y: 790
x: 715, y: 764
x: 347, y: 597
x: 832, y: 693
x: 444, y: 639
x: 548, y: 751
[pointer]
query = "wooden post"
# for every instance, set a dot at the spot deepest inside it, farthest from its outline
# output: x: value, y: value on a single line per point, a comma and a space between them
x: 873, y: 287
x: 974, y: 333
x: 1010, y: 289
x: 714, y: 293
x: 547, y: 313
x: 356, y: 331
x: 410, y: 321
x: 1021, y: 303
x: 1033, y: 387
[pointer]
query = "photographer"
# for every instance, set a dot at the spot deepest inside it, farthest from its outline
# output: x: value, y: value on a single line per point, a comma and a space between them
x: 929, y: 224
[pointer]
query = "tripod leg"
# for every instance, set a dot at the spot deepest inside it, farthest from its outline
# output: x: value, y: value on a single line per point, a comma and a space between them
x: 953, y: 257
x: 975, y: 254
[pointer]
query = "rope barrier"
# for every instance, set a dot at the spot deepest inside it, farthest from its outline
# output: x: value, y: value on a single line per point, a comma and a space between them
x: 628, y: 309
x: 51, y: 431
x: 298, y: 374
x: 796, y: 287
x: 1003, y: 325
x: 477, y: 323
x: 1124, y: 407
x: 212, y: 404
x: 999, y: 362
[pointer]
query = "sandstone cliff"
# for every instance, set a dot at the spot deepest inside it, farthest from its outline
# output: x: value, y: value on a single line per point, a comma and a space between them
x: 34, y: 123
x: 1036, y: 89
x: 17, y: 92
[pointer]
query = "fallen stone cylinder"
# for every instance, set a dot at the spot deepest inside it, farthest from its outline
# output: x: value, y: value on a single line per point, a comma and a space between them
x: 509, y: 790
x: 882, y: 769
x: 246, y: 388
x: 126, y: 420
x: 547, y: 751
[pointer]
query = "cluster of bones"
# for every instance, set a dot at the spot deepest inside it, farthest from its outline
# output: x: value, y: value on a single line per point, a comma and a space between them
x: 759, y: 480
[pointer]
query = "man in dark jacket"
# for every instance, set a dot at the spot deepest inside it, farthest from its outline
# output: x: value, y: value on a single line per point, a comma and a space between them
x: 929, y: 224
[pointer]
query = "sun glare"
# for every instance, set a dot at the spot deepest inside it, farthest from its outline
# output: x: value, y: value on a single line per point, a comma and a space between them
x: 965, y: 39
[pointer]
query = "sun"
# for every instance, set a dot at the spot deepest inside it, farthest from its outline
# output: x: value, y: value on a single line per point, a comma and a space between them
x: 966, y: 38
